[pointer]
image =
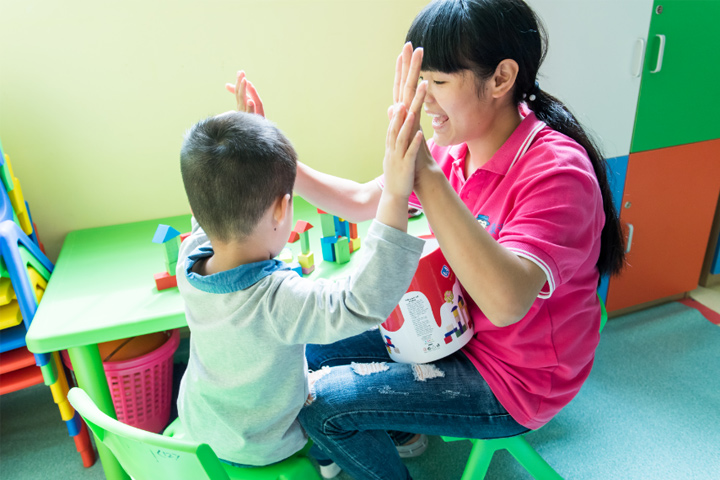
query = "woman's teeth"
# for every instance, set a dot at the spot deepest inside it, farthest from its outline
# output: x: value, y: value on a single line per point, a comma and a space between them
x: 438, y: 120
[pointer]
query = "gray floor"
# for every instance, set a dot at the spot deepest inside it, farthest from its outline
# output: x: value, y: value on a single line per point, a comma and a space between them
x: 648, y: 411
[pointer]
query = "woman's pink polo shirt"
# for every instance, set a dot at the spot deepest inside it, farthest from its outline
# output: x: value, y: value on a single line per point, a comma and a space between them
x: 538, y: 196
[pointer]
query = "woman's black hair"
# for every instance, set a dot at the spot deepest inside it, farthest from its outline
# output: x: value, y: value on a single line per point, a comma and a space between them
x: 477, y: 35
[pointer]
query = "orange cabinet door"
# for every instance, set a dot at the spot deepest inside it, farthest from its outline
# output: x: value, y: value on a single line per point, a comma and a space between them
x: 667, y: 212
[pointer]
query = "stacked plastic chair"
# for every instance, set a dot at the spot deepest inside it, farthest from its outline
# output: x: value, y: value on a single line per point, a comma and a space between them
x: 24, y: 273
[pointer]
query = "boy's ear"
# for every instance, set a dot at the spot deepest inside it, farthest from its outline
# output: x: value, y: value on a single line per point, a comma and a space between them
x: 283, y: 208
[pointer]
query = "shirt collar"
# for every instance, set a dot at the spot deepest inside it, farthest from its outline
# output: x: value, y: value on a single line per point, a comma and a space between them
x: 229, y: 281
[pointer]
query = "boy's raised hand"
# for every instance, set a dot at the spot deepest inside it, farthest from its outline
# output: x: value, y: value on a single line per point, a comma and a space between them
x: 402, y: 144
x: 246, y: 95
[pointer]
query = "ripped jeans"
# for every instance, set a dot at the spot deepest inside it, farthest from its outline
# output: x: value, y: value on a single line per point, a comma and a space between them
x: 355, y: 406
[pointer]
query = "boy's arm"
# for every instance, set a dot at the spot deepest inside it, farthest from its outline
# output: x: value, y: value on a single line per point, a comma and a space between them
x: 325, y: 311
x: 331, y: 311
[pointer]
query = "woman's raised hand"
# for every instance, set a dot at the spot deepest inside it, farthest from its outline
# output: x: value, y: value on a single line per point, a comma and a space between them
x: 246, y: 95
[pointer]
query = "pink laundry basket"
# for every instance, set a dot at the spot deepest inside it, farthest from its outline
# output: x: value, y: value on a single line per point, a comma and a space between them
x: 141, y: 387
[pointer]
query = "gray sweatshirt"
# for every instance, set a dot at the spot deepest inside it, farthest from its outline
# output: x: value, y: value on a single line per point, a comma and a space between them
x: 246, y: 378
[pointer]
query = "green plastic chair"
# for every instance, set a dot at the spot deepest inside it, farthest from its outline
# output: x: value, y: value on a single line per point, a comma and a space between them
x: 149, y: 456
x: 484, y: 449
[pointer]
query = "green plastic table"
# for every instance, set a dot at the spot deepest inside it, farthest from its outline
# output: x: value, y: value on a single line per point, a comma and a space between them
x: 102, y: 289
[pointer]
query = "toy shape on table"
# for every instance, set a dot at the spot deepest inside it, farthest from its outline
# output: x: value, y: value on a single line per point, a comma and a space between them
x: 285, y: 255
x: 328, y: 251
x: 170, y: 238
x: 301, y: 228
x: 340, y: 238
x: 305, y: 258
x: 296, y: 267
x: 342, y: 250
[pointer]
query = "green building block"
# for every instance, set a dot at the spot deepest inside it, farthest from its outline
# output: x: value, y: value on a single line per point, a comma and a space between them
x: 342, y: 250
x: 172, y: 250
x: 327, y: 224
x: 305, y: 243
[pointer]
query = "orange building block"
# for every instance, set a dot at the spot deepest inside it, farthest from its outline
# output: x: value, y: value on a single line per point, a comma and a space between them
x: 164, y: 280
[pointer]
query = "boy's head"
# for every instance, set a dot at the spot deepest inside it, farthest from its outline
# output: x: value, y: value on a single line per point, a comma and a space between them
x: 234, y: 166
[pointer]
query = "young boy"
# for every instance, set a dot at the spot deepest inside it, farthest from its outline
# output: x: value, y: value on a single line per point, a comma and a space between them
x: 250, y: 316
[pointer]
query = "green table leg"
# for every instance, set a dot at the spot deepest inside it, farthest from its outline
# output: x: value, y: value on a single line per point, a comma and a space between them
x: 90, y: 376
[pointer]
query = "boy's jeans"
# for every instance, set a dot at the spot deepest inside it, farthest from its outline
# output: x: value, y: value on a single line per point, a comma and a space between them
x: 355, y: 405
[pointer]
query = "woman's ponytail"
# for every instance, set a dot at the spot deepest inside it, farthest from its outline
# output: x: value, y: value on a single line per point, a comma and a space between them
x: 556, y: 115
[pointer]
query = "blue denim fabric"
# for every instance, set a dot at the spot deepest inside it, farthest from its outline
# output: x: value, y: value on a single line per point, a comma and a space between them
x: 229, y: 281
x: 352, y: 413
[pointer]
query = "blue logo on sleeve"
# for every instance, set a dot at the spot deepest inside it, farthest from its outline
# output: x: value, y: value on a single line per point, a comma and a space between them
x: 483, y: 220
x: 492, y: 228
x: 445, y: 272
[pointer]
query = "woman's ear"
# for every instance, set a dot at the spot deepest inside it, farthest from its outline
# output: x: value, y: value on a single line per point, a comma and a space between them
x: 503, y: 79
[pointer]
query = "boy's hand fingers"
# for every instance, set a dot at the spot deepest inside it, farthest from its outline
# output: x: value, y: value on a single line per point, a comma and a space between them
x: 230, y: 88
x: 415, y: 144
x: 395, y: 125
x: 406, y: 131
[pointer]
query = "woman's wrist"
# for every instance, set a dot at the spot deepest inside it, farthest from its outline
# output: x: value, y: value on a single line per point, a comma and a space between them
x: 426, y: 178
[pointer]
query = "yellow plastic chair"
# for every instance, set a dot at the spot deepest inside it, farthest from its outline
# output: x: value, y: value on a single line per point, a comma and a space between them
x: 149, y: 456
x: 484, y: 449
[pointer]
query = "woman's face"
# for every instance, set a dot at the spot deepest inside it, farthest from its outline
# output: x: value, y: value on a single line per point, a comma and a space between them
x: 459, y: 113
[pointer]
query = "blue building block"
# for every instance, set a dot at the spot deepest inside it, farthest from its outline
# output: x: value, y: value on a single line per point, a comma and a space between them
x: 164, y: 233
x: 328, y: 250
x: 344, y: 229
x: 296, y: 267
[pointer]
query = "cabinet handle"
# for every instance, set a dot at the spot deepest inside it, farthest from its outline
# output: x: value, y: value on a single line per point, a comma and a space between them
x: 631, y: 230
x: 638, y: 56
x: 661, y: 52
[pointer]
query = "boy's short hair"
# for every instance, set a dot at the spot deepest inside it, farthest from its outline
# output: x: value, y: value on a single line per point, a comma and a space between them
x: 234, y: 166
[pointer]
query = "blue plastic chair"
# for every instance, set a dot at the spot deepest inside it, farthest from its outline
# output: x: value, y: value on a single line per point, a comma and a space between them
x: 15, y: 249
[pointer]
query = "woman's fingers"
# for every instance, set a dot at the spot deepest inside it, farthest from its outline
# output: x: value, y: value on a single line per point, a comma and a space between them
x: 397, y: 80
x: 240, y: 92
x: 406, y: 59
x: 413, y: 75
x: 255, y: 99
